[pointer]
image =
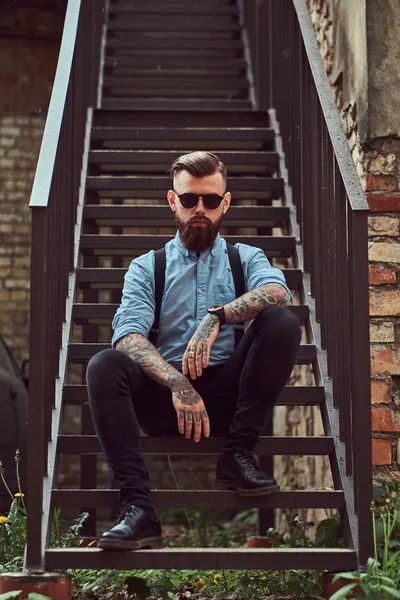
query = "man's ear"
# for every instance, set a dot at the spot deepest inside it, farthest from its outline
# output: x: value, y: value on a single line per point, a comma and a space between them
x: 226, y: 202
x: 171, y: 197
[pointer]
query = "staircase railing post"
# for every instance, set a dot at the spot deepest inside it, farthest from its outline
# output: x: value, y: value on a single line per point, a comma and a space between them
x: 361, y: 418
x: 36, y: 447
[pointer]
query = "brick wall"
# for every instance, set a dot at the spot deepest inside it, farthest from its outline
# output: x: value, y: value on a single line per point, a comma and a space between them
x: 378, y: 165
x: 29, y: 42
x: 19, y: 146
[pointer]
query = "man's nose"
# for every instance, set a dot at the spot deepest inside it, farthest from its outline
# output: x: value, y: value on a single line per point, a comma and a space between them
x: 200, y: 208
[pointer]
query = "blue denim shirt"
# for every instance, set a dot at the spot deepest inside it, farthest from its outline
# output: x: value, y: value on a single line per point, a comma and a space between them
x: 192, y: 284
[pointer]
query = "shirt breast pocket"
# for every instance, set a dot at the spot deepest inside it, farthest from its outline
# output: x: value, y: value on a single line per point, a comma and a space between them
x: 224, y: 293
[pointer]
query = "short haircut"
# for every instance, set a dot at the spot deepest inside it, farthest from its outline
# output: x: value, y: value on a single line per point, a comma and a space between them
x: 198, y: 164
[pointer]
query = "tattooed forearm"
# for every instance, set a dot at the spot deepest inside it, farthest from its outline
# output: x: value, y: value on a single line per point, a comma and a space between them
x: 142, y: 352
x: 251, y: 304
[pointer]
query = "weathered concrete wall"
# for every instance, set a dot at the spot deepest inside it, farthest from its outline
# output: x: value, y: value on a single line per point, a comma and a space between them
x: 349, y: 46
x: 362, y: 36
x: 383, y: 46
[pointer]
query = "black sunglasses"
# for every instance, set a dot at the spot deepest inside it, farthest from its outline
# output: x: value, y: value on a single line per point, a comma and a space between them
x: 210, y: 201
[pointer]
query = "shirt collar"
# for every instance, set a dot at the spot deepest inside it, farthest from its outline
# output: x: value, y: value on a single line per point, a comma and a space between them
x: 178, y: 244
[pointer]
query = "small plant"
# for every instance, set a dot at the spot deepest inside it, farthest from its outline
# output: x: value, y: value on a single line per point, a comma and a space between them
x: 381, y: 581
x: 13, y: 527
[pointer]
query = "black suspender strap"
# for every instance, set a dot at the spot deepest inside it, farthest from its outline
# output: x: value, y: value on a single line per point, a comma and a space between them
x: 159, y: 284
x: 238, y: 279
x: 237, y: 270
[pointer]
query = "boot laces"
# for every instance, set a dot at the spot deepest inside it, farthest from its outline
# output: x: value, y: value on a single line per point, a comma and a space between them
x: 247, y: 459
x: 128, y: 512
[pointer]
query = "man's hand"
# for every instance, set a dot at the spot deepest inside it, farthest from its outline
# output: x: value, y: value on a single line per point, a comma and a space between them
x: 190, y: 409
x: 197, y: 353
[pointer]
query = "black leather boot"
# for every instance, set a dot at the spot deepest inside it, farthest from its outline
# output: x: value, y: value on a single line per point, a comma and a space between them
x: 136, y: 529
x: 239, y: 471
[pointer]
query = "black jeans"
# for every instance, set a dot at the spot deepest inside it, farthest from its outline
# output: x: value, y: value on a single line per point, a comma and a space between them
x: 239, y: 396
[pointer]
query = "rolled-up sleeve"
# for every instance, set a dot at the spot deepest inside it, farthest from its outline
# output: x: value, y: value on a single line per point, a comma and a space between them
x: 136, y: 311
x: 258, y: 270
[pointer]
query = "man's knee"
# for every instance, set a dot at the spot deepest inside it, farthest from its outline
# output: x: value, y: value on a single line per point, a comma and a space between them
x: 279, y: 320
x: 102, y: 363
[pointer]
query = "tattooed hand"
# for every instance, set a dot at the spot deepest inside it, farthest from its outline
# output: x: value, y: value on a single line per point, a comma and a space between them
x: 190, y: 408
x: 197, y: 353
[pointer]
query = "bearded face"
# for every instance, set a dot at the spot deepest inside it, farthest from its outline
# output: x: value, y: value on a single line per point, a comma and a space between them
x: 198, y: 233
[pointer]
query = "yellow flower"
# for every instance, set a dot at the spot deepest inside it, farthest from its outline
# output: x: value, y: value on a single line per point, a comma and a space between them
x: 3, y: 520
x: 217, y: 578
x: 19, y: 495
x: 200, y: 583
x: 394, y: 495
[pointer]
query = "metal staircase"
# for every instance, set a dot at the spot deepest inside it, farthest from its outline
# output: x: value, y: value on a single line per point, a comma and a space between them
x: 177, y: 78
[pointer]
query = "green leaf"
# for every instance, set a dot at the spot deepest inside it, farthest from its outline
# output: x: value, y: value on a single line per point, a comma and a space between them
x: 171, y: 595
x: 350, y: 575
x: 10, y: 595
x: 342, y: 593
x: 392, y: 591
x: 34, y: 596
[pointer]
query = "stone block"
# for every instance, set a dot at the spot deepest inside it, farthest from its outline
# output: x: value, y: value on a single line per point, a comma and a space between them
x: 381, y: 452
x: 383, y: 164
x: 383, y: 226
x: 379, y: 183
x: 381, y: 391
x: 385, y: 420
x: 381, y: 333
x: 383, y: 202
x: 9, y: 131
x: 384, y: 303
x: 381, y: 276
x: 384, y: 252
x: 22, y: 284
x: 7, y: 142
x: 385, y: 361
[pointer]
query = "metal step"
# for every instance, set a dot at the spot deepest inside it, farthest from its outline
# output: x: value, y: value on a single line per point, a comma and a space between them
x: 178, y: 62
x: 170, y: 8
x: 93, y: 312
x: 214, y: 44
x: 188, y: 83
x: 203, y: 499
x: 156, y: 161
x: 182, y: 25
x: 291, y: 396
x: 175, y: 104
x: 124, y: 244
x: 162, y: 216
x: 193, y: 134
x: 115, y: 277
x: 306, y: 353
x: 276, y: 445
x: 203, y: 558
x: 162, y: 183
x: 180, y: 118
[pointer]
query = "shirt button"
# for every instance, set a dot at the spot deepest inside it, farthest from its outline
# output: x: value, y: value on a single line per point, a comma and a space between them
x: 201, y: 262
x: 201, y: 291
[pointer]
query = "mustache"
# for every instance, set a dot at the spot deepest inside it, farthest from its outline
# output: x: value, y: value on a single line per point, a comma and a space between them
x: 199, y: 220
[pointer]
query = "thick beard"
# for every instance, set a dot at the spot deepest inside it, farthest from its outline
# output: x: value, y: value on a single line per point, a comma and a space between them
x: 197, y: 238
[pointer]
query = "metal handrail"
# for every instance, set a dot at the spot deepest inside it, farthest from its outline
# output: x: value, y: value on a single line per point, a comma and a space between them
x: 330, y: 222
x: 54, y: 203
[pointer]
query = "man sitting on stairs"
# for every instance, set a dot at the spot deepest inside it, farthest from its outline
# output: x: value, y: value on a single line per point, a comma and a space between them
x: 194, y: 381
